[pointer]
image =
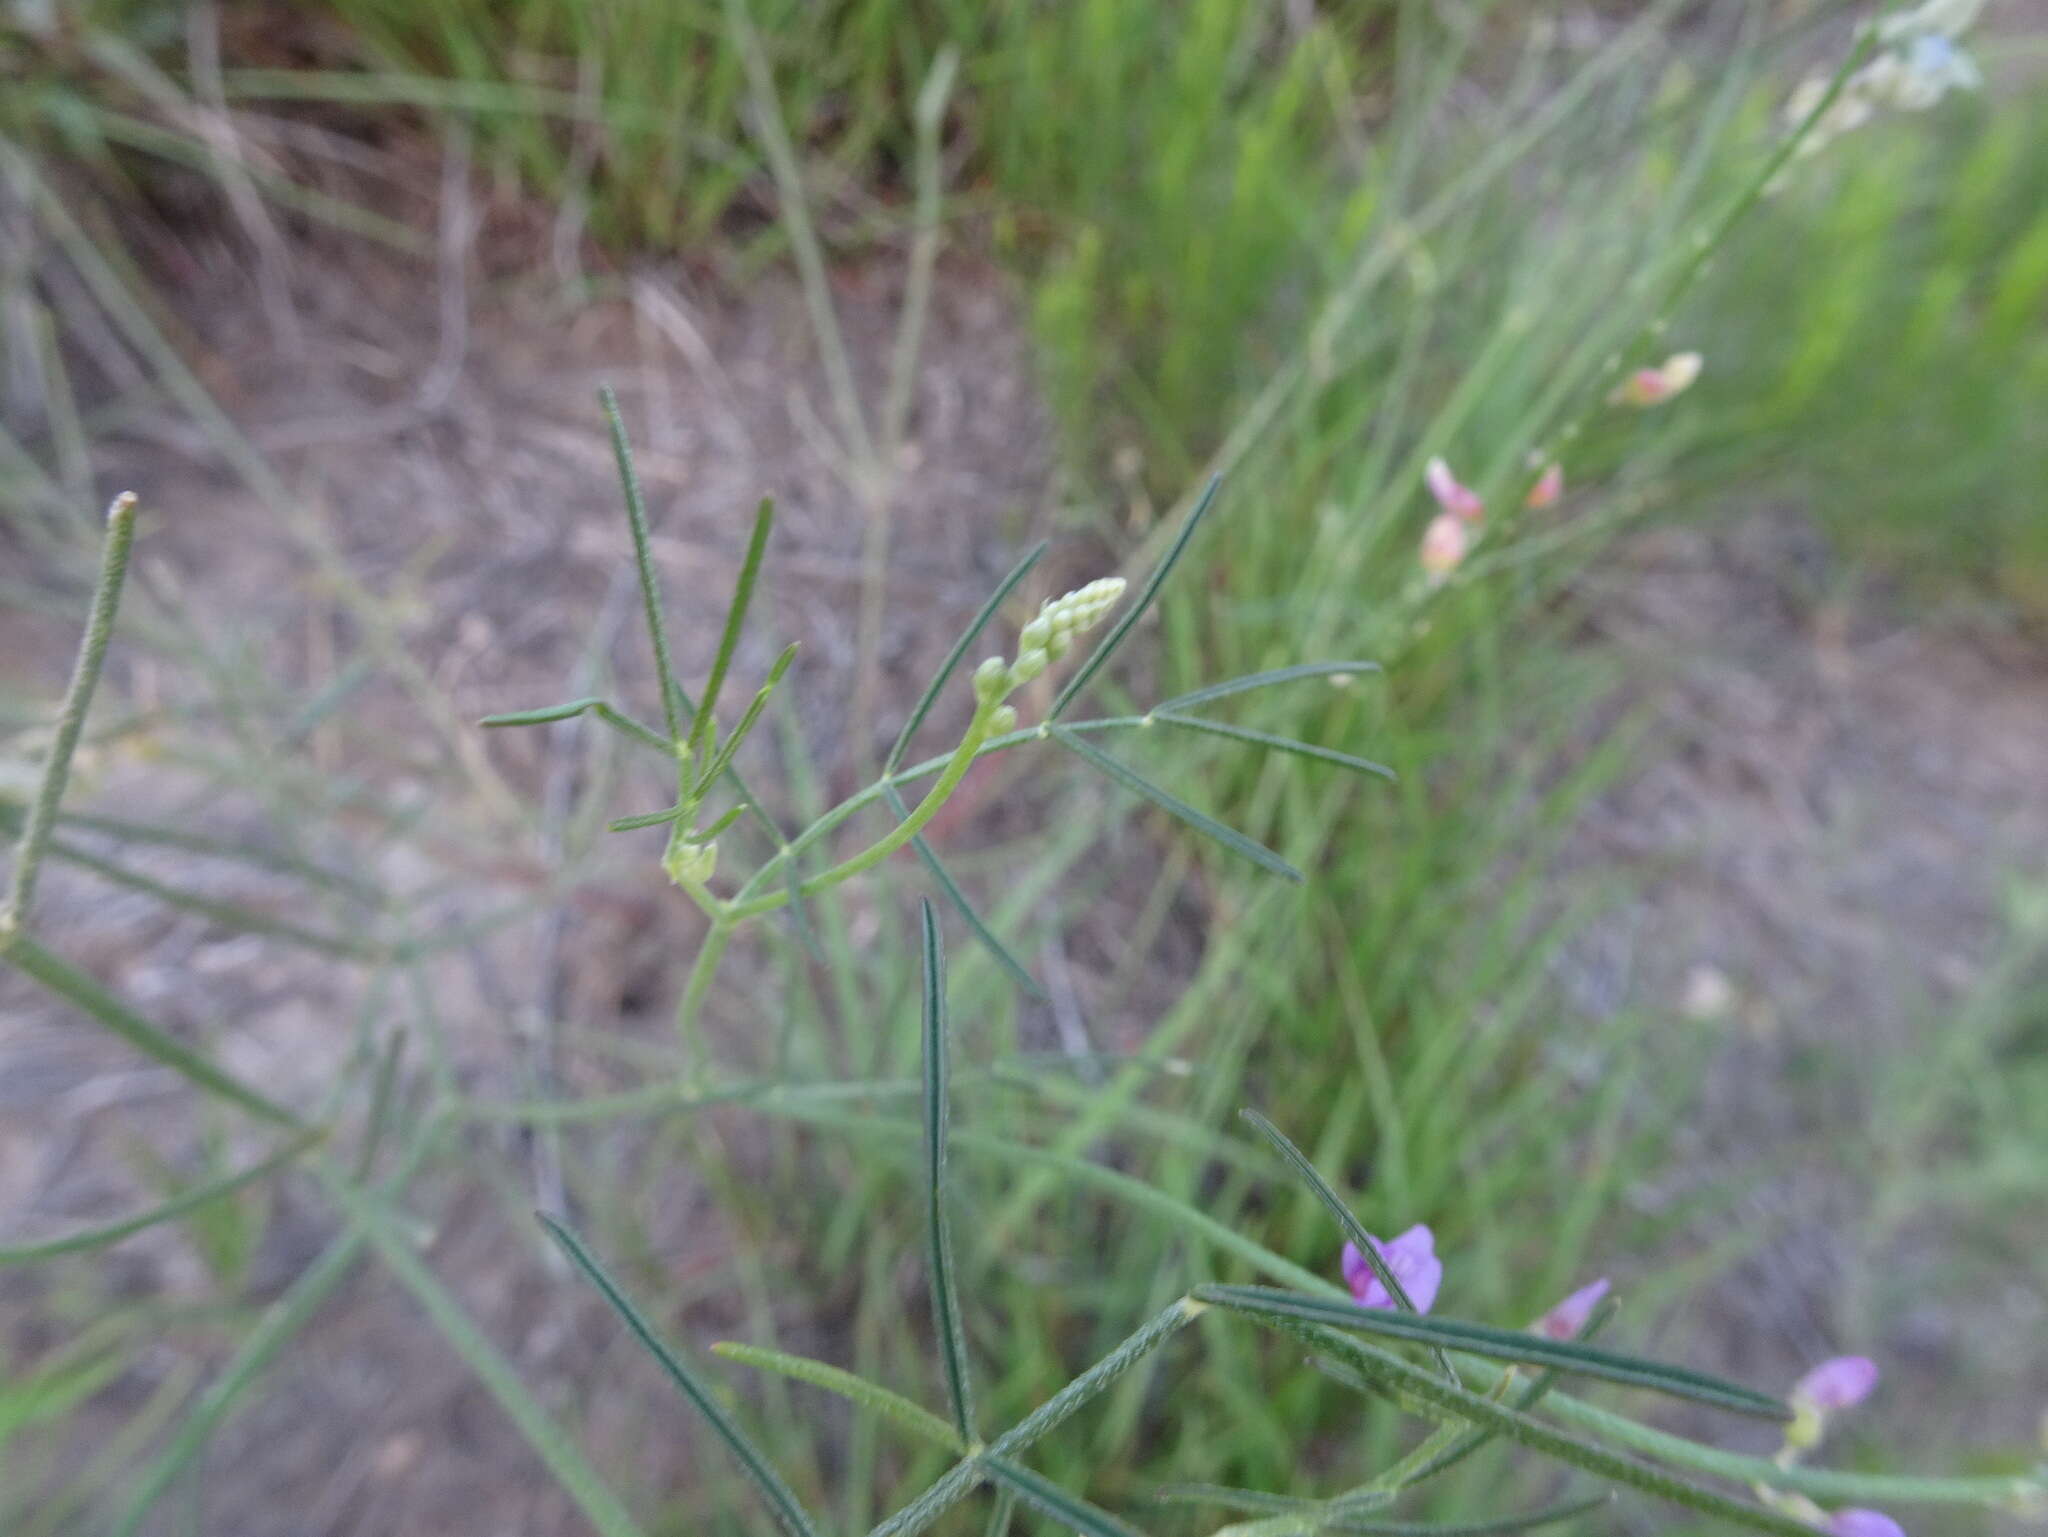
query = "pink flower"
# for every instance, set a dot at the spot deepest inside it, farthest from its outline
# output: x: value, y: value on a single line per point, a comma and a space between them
x: 1841, y: 1383
x: 1654, y: 386
x: 1444, y: 544
x: 1864, y: 1523
x: 1412, y: 1259
x: 1548, y: 488
x: 1454, y: 497
x: 1564, y: 1321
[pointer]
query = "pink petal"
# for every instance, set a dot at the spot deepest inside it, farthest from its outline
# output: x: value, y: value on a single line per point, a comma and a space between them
x: 1444, y: 544
x: 1412, y: 1259
x: 1864, y: 1523
x: 1451, y: 495
x: 1564, y: 1321
x: 1548, y: 488
x: 1841, y: 1383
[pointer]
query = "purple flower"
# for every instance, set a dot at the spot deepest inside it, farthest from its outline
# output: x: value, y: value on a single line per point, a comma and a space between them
x: 1864, y: 1523
x: 1564, y: 1321
x: 1841, y: 1383
x: 1412, y: 1259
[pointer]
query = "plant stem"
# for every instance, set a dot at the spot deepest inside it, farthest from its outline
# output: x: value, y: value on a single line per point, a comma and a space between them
x: 85, y: 676
x: 949, y: 780
x: 691, y: 1004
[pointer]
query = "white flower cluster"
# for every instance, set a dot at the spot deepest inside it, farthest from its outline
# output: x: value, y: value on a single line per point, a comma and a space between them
x: 1047, y: 638
x: 1918, y: 62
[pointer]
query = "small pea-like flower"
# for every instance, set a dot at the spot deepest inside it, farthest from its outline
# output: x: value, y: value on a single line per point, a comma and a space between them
x: 1548, y: 488
x: 1564, y: 1321
x: 1840, y: 1383
x: 1654, y: 386
x: 1412, y: 1259
x: 1858, y: 1522
x: 1444, y: 544
x: 1451, y: 494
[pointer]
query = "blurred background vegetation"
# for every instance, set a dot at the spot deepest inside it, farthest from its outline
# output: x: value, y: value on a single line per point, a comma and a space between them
x: 1699, y: 942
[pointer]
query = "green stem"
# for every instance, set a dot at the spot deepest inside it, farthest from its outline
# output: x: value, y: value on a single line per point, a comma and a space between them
x: 744, y: 901
x: 85, y: 676
x: 691, y: 1004
x: 949, y: 780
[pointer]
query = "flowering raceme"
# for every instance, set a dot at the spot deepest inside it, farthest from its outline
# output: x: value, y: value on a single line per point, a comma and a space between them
x: 1412, y: 1259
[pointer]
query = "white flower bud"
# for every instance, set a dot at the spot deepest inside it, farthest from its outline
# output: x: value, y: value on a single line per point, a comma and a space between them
x: 991, y: 680
x: 1034, y: 635
x: 1027, y: 666
x: 1002, y: 719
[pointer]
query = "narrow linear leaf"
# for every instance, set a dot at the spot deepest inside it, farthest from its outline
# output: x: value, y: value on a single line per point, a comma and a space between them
x: 1202, y: 823
x: 1531, y: 1395
x: 938, y: 1231
x: 1548, y: 1515
x: 1285, y: 744
x: 1538, y: 1435
x: 75, y: 987
x: 731, y: 815
x: 1049, y: 1498
x: 968, y: 637
x: 702, y: 727
x: 782, y: 1504
x: 177, y: 1206
x: 643, y: 560
x: 1252, y: 680
x: 1249, y: 1501
x: 917, y: 1420
x: 620, y: 722
x: 1502, y: 1345
x: 961, y: 904
x: 999, y: 1518
x: 643, y: 819
x: 1123, y: 627
x: 1347, y: 1220
x: 747, y: 721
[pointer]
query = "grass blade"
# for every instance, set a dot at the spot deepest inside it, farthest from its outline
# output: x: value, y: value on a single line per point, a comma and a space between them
x: 1346, y: 1219
x: 1252, y: 680
x: 59, y: 976
x: 703, y: 728
x: 1049, y: 1498
x: 177, y: 1206
x: 968, y: 637
x: 1115, y: 638
x: 1500, y: 1345
x: 782, y: 1504
x: 945, y: 1296
x: 85, y: 677
x: 912, y: 1417
x: 643, y: 559
x: 1275, y: 743
x: 961, y: 905
x: 1202, y: 823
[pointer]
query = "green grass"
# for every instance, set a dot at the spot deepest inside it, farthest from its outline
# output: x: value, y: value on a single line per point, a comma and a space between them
x: 1311, y: 259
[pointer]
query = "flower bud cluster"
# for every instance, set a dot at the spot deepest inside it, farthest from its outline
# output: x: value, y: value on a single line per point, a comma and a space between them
x: 1046, y: 639
x: 1919, y: 60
